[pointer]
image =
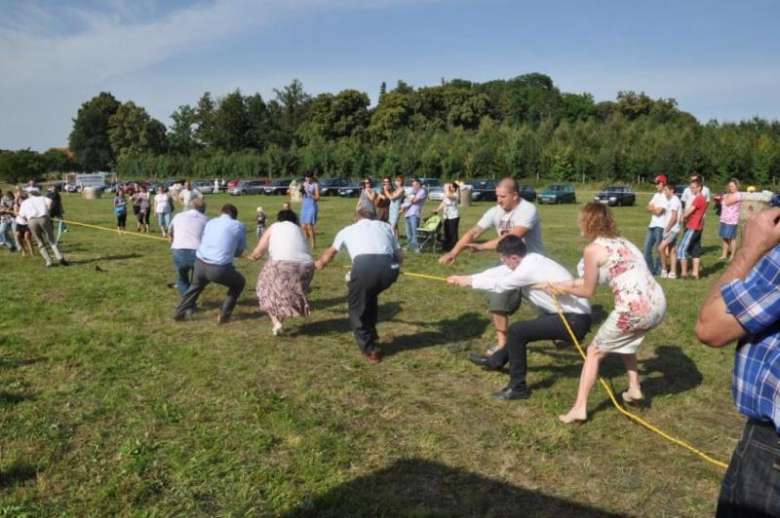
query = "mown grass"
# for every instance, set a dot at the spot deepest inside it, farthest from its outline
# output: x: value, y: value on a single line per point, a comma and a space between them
x: 107, y: 407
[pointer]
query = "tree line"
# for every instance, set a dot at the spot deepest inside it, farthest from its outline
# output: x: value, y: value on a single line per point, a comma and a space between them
x: 523, y: 127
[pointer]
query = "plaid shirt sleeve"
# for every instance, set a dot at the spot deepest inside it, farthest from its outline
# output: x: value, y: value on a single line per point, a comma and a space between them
x: 755, y: 302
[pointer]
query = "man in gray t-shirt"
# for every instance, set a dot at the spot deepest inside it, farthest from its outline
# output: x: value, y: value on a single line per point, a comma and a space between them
x: 512, y: 215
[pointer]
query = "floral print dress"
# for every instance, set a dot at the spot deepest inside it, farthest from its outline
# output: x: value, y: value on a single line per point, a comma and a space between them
x: 640, y: 303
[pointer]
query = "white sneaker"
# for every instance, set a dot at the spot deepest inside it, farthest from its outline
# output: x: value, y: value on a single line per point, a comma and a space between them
x: 664, y: 274
x: 672, y: 275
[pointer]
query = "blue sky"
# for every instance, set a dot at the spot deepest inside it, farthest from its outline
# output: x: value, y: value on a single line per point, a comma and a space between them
x: 718, y: 59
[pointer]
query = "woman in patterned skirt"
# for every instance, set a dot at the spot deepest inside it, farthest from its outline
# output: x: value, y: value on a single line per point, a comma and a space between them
x: 640, y: 303
x: 286, y: 276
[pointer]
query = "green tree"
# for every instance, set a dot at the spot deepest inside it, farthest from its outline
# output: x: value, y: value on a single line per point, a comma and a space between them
x: 89, y: 139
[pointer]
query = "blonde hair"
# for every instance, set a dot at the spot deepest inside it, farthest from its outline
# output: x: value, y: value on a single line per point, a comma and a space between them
x: 597, y: 220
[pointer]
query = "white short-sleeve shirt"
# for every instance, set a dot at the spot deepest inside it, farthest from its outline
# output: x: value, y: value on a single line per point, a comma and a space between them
x: 674, y: 204
x: 659, y: 200
x: 367, y: 237
x: 534, y: 269
x: 524, y: 215
x: 287, y: 243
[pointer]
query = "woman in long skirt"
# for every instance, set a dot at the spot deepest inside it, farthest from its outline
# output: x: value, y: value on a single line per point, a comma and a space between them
x: 284, y: 280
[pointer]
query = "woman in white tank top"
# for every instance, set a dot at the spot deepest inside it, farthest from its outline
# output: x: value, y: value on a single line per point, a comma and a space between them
x: 286, y: 276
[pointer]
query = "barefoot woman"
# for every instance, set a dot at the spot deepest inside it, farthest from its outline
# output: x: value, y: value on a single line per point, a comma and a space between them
x: 640, y: 304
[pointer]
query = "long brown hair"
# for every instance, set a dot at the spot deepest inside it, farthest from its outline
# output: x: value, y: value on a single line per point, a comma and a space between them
x: 597, y: 220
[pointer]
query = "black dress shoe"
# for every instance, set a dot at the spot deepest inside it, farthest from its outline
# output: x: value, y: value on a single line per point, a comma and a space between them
x: 483, y: 361
x: 508, y: 394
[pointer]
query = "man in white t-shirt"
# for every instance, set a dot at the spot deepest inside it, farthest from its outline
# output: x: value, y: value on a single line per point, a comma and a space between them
x: 523, y: 270
x: 36, y: 210
x: 188, y: 194
x: 185, y: 233
x: 376, y: 259
x: 672, y: 218
x: 655, y: 231
x: 512, y: 216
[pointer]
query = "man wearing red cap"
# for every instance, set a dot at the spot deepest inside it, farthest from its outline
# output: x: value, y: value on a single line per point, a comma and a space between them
x: 655, y: 232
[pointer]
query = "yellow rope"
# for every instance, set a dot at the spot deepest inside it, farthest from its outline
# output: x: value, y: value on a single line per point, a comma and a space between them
x: 115, y: 231
x: 603, y: 383
x: 628, y: 414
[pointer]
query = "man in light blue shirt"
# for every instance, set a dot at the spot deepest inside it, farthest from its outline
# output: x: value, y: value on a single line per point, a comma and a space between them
x: 413, y: 213
x: 224, y: 238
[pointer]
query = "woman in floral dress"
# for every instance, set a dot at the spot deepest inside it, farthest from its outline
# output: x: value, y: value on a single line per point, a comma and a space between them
x: 640, y: 303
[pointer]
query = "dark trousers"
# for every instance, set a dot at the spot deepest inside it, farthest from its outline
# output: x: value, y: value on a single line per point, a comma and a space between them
x: 370, y: 276
x: 751, y: 487
x: 519, y: 334
x: 450, y: 234
x: 203, y: 275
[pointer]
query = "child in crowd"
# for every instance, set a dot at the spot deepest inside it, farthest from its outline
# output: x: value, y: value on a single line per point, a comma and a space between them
x: 261, y: 222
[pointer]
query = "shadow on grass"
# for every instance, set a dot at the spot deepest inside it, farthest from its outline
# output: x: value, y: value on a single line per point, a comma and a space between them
x: 669, y: 372
x: 17, y: 474
x: 416, y: 487
x: 10, y: 364
x: 711, y: 268
x: 8, y: 398
x: 118, y: 257
x: 465, y: 327
x: 341, y: 325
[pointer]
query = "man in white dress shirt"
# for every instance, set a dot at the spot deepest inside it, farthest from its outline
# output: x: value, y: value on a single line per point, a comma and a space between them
x: 376, y: 259
x: 511, y: 216
x: 523, y: 271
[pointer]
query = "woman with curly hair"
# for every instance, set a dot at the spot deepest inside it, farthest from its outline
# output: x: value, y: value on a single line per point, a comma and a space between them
x: 640, y: 303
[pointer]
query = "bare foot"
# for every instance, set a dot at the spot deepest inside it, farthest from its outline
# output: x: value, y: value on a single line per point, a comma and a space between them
x: 633, y: 397
x: 574, y: 416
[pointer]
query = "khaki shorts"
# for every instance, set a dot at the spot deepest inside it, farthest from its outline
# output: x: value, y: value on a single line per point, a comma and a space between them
x: 506, y: 302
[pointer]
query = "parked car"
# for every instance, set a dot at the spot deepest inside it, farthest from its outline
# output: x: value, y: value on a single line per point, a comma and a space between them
x: 528, y: 193
x: 204, y: 187
x: 483, y: 190
x: 616, y: 195
x: 71, y: 187
x: 278, y: 187
x: 243, y: 188
x: 436, y: 194
x: 775, y: 202
x: 558, y: 193
x: 331, y: 186
x: 351, y: 190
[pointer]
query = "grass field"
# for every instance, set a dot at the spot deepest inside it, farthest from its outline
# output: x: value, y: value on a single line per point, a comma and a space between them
x: 107, y: 407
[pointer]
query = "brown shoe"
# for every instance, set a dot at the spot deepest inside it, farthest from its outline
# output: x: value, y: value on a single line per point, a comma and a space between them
x: 374, y: 356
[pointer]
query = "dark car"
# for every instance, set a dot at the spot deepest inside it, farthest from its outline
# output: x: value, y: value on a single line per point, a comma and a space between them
x: 528, y: 193
x: 616, y: 195
x: 350, y: 190
x: 484, y: 190
x: 775, y: 201
x: 558, y: 193
x: 331, y: 186
x: 278, y: 187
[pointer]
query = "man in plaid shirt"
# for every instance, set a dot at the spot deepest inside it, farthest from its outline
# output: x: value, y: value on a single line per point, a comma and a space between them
x: 744, y: 305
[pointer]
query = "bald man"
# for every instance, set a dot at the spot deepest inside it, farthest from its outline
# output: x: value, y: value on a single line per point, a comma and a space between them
x: 513, y: 215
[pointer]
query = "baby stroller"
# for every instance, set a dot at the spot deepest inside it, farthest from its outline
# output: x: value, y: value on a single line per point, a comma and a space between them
x: 429, y: 232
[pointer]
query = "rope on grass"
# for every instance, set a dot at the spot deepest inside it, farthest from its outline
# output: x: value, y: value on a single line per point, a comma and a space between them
x: 576, y: 342
x: 631, y: 415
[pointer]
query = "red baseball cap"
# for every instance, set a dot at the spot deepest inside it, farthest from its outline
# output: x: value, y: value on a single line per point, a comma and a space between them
x: 661, y: 179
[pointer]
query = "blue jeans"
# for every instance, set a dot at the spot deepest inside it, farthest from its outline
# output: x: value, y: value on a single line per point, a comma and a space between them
x: 750, y: 487
x: 164, y: 219
x: 412, y: 222
x: 184, y: 261
x: 61, y: 228
x: 5, y: 238
x: 653, y: 239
